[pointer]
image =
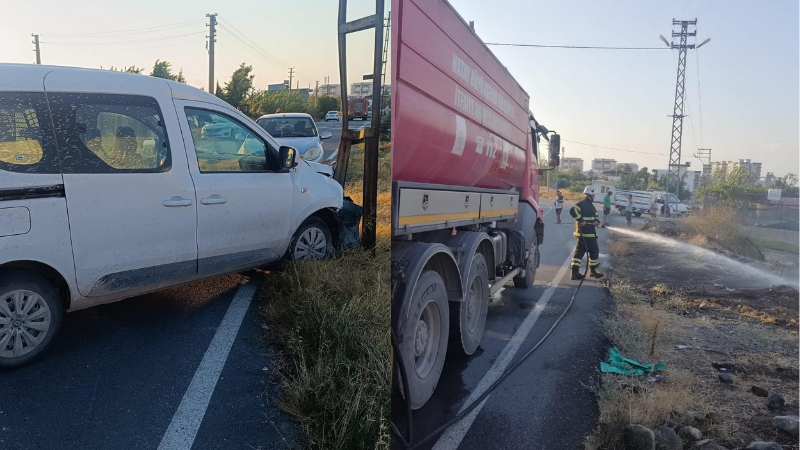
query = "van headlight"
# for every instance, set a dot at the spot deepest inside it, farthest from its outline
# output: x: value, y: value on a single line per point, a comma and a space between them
x: 312, y: 154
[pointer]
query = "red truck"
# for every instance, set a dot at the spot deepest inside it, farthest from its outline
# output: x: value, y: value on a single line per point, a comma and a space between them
x: 357, y: 108
x: 465, y: 187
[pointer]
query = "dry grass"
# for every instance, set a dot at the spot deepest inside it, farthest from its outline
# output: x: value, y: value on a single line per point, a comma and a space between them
x: 331, y: 319
x: 762, y: 343
x: 569, y: 196
x: 619, y: 248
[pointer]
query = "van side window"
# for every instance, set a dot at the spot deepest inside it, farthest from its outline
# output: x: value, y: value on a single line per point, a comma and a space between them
x: 26, y: 143
x: 110, y: 133
x: 223, y: 144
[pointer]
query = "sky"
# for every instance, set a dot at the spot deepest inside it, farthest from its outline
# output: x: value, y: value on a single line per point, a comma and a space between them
x: 270, y: 35
x: 741, y: 87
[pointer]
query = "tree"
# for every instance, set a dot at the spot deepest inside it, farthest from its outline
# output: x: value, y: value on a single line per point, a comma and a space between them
x: 636, y: 180
x: 325, y: 104
x: 258, y: 103
x: 788, y: 185
x: 239, y: 87
x: 128, y: 69
x: 163, y: 69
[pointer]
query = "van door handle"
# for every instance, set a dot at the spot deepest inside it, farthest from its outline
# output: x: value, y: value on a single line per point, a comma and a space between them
x: 213, y: 200
x: 177, y: 201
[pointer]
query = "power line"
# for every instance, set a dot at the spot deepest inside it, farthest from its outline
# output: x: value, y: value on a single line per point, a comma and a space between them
x: 589, y: 47
x: 298, y: 74
x: 133, y: 31
x: 611, y: 148
x: 161, y: 38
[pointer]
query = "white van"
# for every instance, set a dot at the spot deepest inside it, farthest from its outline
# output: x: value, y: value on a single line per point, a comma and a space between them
x: 113, y: 185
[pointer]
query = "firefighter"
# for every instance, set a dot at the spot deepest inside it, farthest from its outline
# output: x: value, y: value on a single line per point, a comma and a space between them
x: 586, y: 223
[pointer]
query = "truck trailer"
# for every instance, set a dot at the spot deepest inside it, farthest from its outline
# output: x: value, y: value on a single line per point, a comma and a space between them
x: 465, y: 189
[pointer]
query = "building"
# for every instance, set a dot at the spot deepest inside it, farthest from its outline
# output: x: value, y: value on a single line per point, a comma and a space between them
x: 278, y: 86
x: 691, y: 178
x: 725, y: 168
x: 769, y: 179
x: 364, y: 89
x: 569, y: 163
x: 330, y: 90
x: 604, y: 165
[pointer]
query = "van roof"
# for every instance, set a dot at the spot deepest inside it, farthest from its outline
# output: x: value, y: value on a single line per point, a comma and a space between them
x: 30, y: 77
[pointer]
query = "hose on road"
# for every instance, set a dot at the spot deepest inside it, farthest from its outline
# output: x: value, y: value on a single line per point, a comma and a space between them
x: 407, y: 442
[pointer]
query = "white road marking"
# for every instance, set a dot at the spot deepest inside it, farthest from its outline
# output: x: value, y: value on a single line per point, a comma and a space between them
x: 186, y: 421
x: 452, y: 437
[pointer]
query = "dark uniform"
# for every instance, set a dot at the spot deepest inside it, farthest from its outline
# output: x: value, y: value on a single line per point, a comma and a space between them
x: 584, y: 211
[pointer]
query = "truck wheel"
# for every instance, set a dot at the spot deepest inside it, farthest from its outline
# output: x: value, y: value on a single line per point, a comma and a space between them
x: 30, y: 315
x: 637, y: 214
x: 425, y: 332
x: 311, y: 242
x: 526, y: 281
x: 469, y: 317
x: 621, y: 210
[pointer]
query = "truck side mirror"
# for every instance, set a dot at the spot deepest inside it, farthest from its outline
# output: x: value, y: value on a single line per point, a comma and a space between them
x: 555, y: 150
x: 287, y: 157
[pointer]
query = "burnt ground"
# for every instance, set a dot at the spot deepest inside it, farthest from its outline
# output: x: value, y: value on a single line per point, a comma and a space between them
x: 727, y: 316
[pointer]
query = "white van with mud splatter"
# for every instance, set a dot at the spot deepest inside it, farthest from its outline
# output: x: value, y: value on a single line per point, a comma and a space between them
x: 113, y: 185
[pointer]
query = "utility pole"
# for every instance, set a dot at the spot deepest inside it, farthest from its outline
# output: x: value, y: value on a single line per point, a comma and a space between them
x: 704, y: 155
x: 316, y: 93
x: 291, y: 72
x: 682, y: 30
x: 36, y: 48
x: 212, y: 38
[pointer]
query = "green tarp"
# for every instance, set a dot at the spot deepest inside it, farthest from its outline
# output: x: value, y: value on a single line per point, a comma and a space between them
x: 624, y: 366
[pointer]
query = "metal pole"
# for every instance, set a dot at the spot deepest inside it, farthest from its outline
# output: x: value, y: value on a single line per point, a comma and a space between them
x: 343, y: 156
x: 369, y: 223
x: 212, y: 33
x: 36, y: 44
x: 291, y: 72
x: 683, y: 33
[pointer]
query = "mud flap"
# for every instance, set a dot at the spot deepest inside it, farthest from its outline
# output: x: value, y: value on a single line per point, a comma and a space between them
x: 539, y: 230
x: 349, y: 218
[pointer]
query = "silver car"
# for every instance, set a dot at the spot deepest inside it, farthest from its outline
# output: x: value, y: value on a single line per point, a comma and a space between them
x: 296, y: 130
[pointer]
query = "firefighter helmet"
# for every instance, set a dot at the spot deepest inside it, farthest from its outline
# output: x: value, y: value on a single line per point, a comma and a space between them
x: 589, y: 190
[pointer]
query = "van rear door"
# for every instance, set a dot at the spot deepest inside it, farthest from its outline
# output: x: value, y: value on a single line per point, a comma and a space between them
x: 129, y: 195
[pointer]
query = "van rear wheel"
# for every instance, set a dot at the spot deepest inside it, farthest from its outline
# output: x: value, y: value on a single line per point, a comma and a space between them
x: 30, y: 316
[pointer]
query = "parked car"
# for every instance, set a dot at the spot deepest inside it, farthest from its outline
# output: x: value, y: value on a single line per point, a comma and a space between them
x: 114, y: 185
x: 332, y: 115
x: 296, y: 130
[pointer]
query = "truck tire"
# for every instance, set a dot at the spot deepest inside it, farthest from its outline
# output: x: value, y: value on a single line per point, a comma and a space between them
x: 621, y: 210
x: 30, y: 316
x: 531, y: 263
x: 468, y: 318
x: 637, y: 214
x: 312, y: 241
x: 425, y: 333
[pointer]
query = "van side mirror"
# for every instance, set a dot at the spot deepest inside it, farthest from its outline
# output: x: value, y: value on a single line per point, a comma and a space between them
x: 287, y: 157
x: 555, y: 150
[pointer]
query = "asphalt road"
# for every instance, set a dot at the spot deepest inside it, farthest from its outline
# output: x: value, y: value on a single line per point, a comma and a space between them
x: 546, y: 403
x: 330, y: 145
x: 127, y: 374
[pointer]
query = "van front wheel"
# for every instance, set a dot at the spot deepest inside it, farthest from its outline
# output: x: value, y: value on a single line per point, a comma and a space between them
x: 30, y: 315
x: 311, y: 242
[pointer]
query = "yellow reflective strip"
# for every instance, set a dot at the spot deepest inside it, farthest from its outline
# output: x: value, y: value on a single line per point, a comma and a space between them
x: 497, y: 212
x: 414, y: 220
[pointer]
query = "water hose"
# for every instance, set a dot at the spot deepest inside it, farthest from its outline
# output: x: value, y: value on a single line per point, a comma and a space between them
x: 407, y: 443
